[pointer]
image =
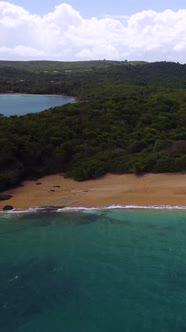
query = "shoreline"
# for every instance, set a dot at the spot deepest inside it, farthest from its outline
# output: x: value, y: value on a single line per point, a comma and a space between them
x: 84, y: 209
x: 151, y: 191
x: 34, y: 94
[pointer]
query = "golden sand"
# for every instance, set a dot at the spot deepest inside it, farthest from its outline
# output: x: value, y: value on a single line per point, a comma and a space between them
x: 55, y: 190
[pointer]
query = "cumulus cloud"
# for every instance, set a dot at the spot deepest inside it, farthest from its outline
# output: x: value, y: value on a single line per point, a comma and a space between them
x: 65, y: 35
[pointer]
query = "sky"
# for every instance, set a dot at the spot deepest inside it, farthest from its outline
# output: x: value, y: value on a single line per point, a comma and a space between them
x: 86, y: 30
x: 100, y: 8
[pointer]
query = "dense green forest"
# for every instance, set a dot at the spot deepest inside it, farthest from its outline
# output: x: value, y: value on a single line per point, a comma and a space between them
x: 130, y: 118
x: 78, y: 78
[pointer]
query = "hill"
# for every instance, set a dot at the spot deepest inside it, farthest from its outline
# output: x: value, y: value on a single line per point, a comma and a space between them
x: 131, y: 118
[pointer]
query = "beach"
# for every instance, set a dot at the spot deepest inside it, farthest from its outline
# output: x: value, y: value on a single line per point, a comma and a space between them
x: 110, y: 190
x: 87, y: 270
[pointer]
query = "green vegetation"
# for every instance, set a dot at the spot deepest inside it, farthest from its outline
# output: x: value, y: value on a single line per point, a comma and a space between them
x: 131, y: 118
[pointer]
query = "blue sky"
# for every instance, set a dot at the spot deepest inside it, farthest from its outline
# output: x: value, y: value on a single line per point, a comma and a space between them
x: 82, y: 30
x: 99, y: 8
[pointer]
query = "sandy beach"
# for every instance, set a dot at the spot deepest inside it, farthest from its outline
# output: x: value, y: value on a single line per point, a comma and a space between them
x: 56, y: 191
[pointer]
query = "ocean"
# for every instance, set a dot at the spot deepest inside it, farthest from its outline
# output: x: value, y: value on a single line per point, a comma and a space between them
x: 112, y: 270
x: 18, y: 104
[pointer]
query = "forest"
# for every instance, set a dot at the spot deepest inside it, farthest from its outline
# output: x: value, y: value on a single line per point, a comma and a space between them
x: 130, y: 118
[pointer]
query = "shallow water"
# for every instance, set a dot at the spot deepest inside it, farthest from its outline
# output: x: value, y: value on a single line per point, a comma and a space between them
x: 109, y: 270
x: 17, y: 104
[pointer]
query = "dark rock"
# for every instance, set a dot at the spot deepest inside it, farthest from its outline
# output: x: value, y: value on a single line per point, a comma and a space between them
x: 7, y: 208
x: 21, y: 185
x: 56, y: 186
x: 65, y: 175
x: 38, y: 183
x: 5, y: 197
x: 52, y: 190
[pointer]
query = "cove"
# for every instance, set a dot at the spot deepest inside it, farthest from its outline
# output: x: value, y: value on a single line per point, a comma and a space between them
x: 21, y: 104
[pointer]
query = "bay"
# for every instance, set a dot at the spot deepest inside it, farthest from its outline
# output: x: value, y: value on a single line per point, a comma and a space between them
x: 103, y: 270
x: 20, y: 104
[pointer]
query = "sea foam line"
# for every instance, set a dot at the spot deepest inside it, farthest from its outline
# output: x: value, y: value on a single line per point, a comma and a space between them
x: 85, y: 209
x: 125, y: 207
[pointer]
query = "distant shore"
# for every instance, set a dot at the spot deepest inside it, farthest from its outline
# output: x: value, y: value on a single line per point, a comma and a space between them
x: 111, y: 190
x: 35, y: 94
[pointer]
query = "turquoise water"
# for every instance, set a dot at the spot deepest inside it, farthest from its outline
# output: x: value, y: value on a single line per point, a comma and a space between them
x: 15, y: 104
x: 111, y: 270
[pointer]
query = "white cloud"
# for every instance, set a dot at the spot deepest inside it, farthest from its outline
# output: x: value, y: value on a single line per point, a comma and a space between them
x: 64, y: 35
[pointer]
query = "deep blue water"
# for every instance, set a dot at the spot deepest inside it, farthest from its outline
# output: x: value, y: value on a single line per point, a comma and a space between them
x: 103, y: 271
x: 17, y: 104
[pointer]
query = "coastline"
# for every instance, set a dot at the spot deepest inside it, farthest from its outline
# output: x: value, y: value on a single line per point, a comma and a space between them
x: 55, y: 191
x: 34, y: 94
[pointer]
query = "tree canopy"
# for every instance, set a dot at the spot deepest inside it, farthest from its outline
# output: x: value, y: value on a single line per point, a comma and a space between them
x: 130, y: 118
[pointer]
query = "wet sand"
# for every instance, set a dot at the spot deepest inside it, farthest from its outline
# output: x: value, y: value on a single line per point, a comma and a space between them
x: 56, y: 191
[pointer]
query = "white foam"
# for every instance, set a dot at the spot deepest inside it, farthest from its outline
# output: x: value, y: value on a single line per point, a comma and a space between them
x: 114, y: 207
x: 89, y: 210
x: 17, y: 211
x: 151, y: 207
